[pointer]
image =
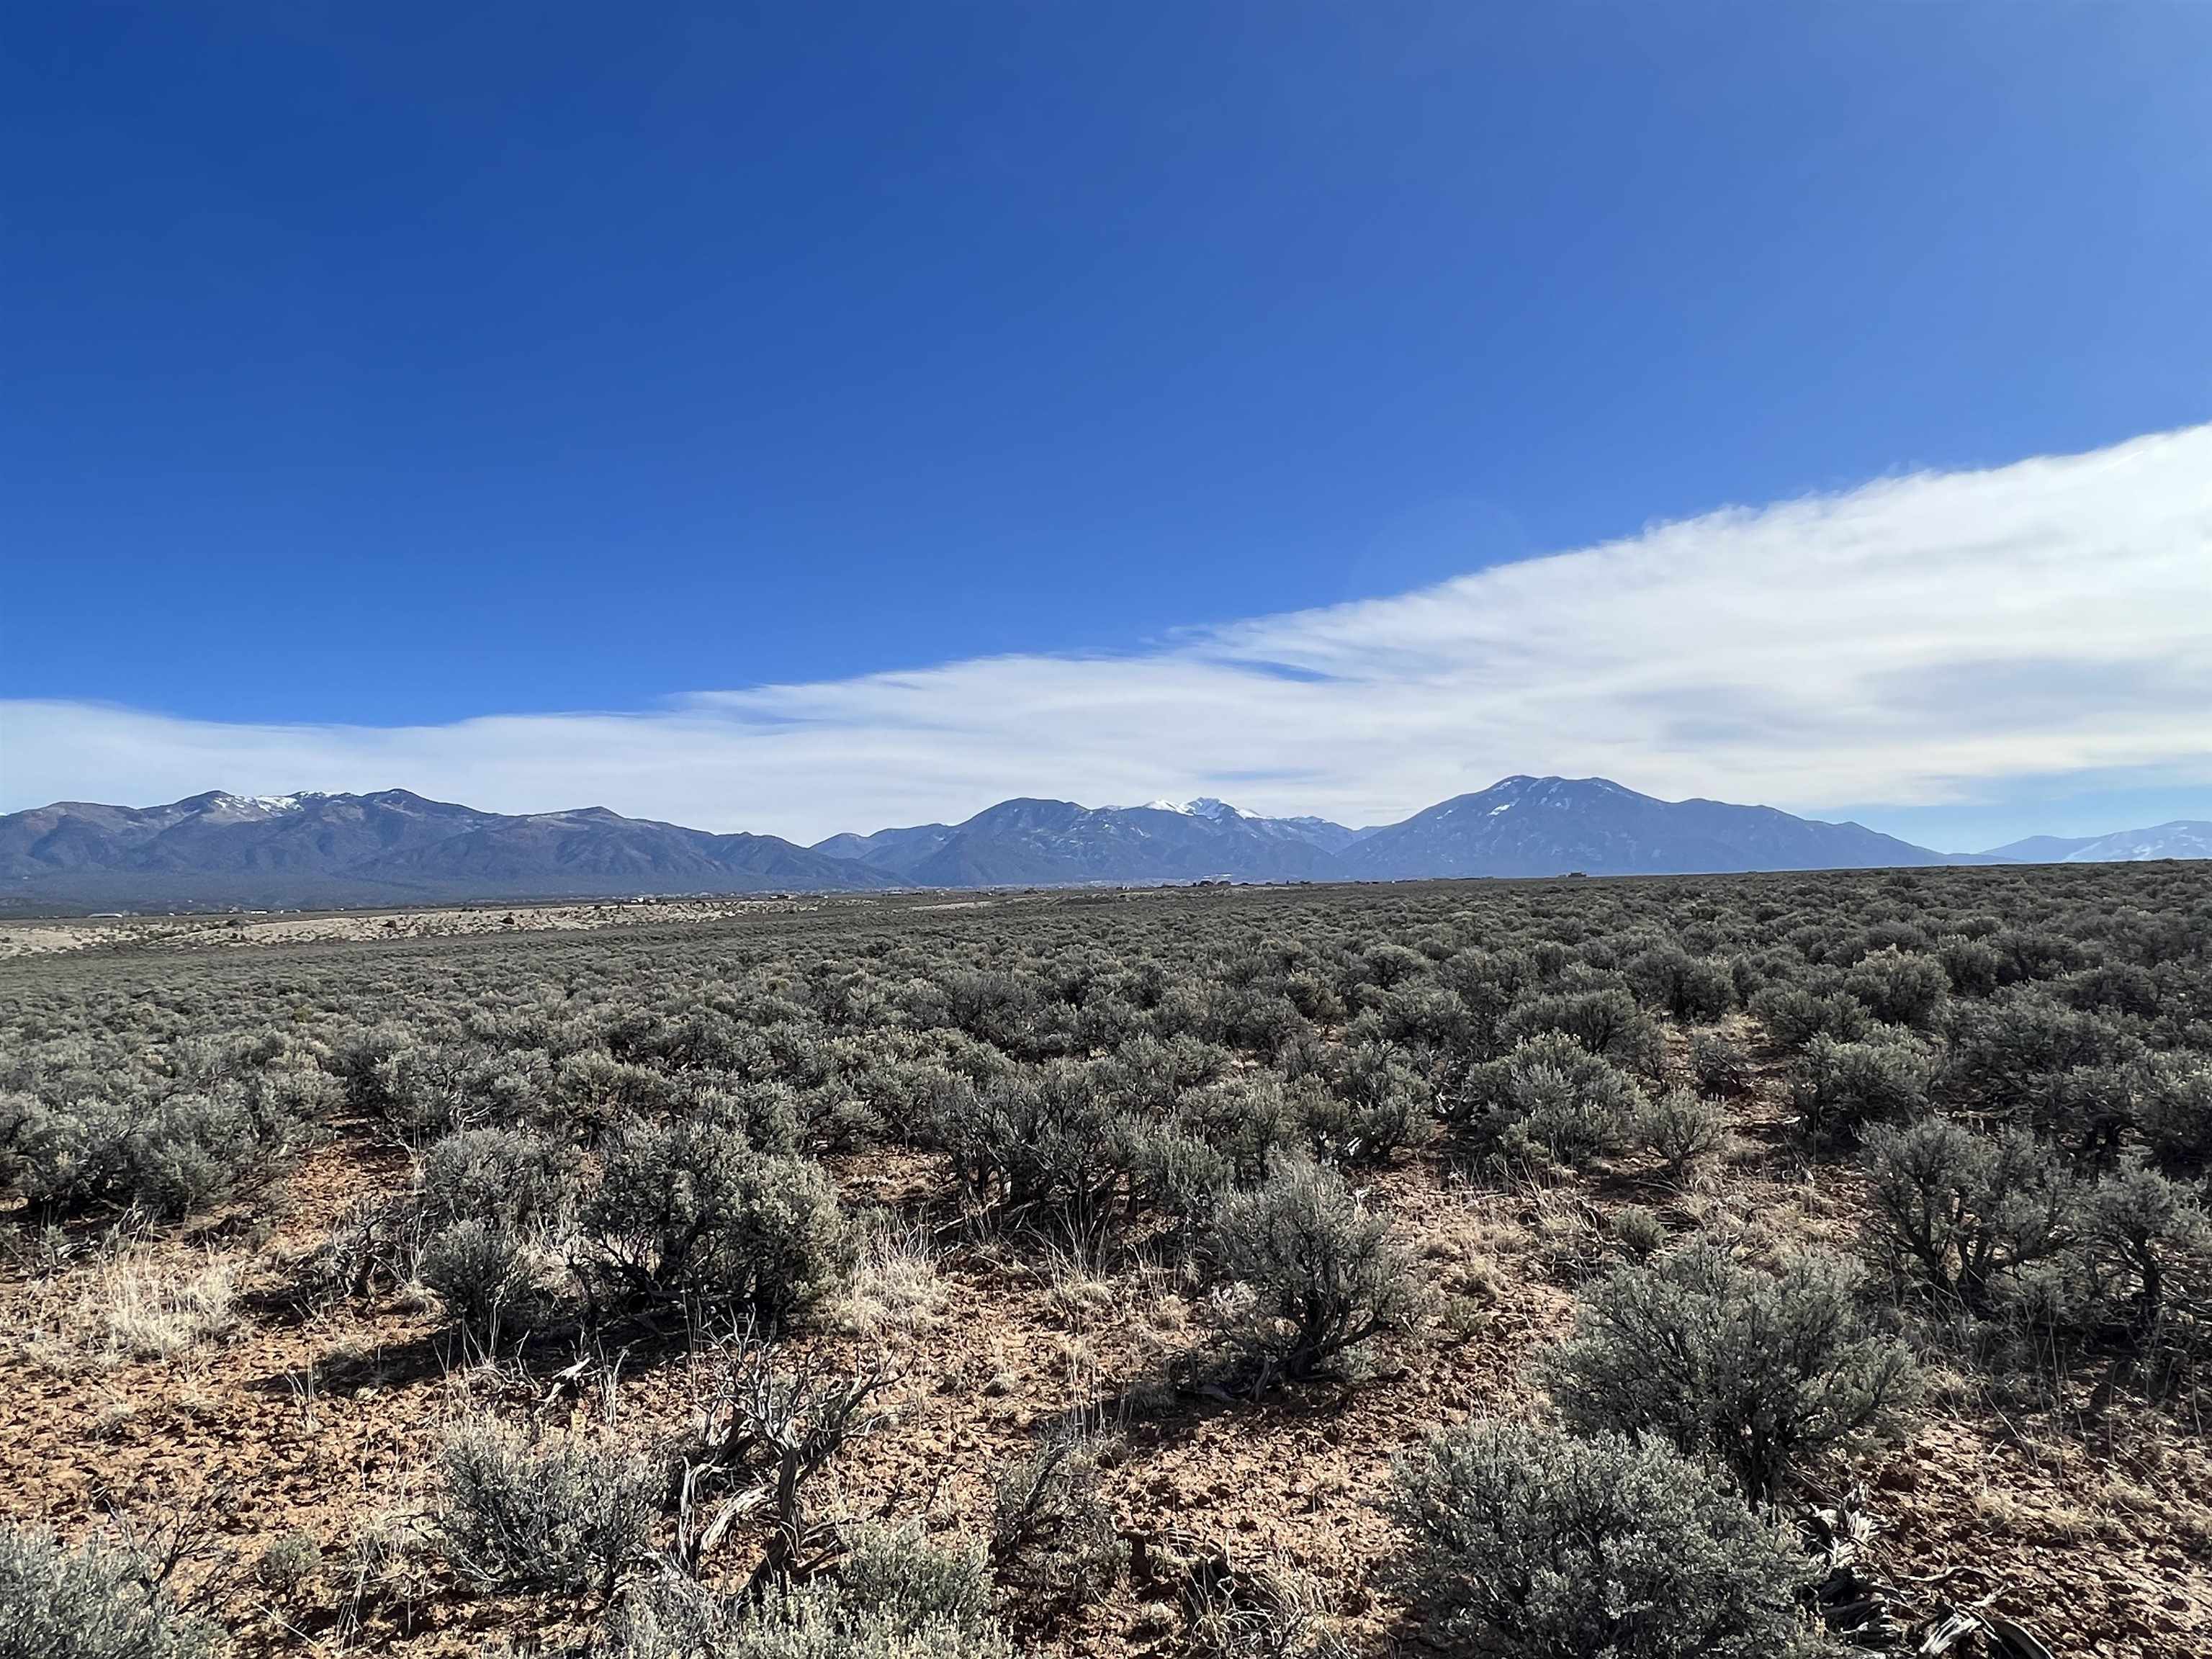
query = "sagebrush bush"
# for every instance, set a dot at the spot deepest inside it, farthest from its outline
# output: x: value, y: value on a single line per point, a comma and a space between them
x: 1250, y: 1119
x: 1425, y: 1019
x: 1695, y: 990
x: 97, y: 1601
x: 892, y: 1594
x: 169, y: 1158
x: 1379, y: 1102
x: 512, y: 1179
x: 594, y: 1093
x: 1639, y: 1231
x: 409, y: 1087
x: 1900, y: 987
x: 775, y: 1117
x: 1972, y: 966
x: 1960, y: 1214
x: 1764, y: 1371
x: 1606, y: 1021
x: 1053, y: 1538
x: 488, y: 1199
x: 2013, y: 1057
x: 1538, y: 1546
x: 1838, y: 1088
x: 289, y: 1567
x: 1552, y: 1097
x: 1793, y: 1015
x: 1047, y: 1144
x: 1684, y: 1129
x: 903, y: 1579
x: 2172, y: 1101
x: 1308, y: 1273
x: 483, y: 1273
x: 2147, y: 1242
x: 1719, y: 1065
x: 2120, y: 987
x: 689, y: 1212
x: 559, y: 1512
x: 1178, y: 1172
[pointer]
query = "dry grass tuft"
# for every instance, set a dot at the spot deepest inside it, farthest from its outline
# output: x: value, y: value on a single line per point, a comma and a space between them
x: 149, y: 1312
x: 131, y: 1304
x: 1080, y: 1291
x: 897, y: 1286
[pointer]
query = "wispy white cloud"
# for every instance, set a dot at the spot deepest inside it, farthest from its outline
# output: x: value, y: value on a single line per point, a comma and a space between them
x: 1915, y: 641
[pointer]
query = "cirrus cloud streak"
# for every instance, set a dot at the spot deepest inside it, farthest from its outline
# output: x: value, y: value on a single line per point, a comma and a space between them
x: 1920, y: 639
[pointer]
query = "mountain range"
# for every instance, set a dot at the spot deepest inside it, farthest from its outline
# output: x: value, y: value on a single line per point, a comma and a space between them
x: 395, y: 847
x: 390, y: 847
x: 2182, y: 839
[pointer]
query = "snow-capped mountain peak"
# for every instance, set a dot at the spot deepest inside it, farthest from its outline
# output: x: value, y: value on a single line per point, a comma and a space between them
x: 1201, y: 806
x: 261, y: 806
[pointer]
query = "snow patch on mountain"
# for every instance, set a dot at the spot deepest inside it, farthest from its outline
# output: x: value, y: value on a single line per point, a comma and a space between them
x: 263, y: 805
x: 1199, y: 806
x: 2181, y: 839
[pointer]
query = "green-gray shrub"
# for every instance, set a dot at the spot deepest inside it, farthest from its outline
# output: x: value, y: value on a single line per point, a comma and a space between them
x: 1763, y: 1371
x: 1639, y: 1231
x: 1053, y: 1538
x: 1900, y: 987
x: 171, y: 1157
x: 689, y: 1212
x: 1552, y: 1097
x: 2015, y: 1058
x: 1840, y: 1087
x: 905, y: 1580
x: 1308, y: 1273
x: 1048, y: 1144
x: 1719, y: 1065
x: 1960, y: 1214
x: 484, y: 1274
x: 556, y: 1513
x: 97, y: 1601
x: 508, y: 1178
x: 2146, y: 1241
x: 1683, y: 1128
x: 894, y: 1594
x: 1533, y: 1545
x: 1794, y: 1015
x: 1379, y: 1102
x: 2172, y: 1101
x: 1178, y: 1172
x: 1250, y: 1117
x: 1606, y: 1020
x: 1695, y: 990
x: 289, y: 1567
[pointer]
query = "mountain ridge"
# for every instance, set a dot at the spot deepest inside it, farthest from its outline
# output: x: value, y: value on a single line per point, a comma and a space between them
x: 1529, y: 826
x: 389, y: 847
x: 392, y: 846
x: 2180, y: 838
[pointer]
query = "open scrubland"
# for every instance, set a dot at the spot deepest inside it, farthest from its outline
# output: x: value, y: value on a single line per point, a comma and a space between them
x: 1737, y: 1265
x: 57, y: 935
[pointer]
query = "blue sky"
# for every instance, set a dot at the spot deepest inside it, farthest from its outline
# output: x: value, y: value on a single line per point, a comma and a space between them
x: 404, y: 371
